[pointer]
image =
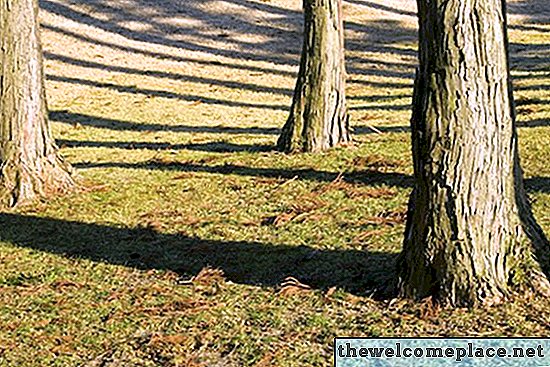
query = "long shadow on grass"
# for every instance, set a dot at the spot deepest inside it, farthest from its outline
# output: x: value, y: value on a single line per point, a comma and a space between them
x: 533, y: 11
x: 224, y: 83
x: 226, y: 64
x: 132, y: 89
x: 163, y: 55
x: 280, y: 37
x: 214, y: 147
x: 243, y: 262
x: 361, y: 177
x: 162, y: 32
x: 535, y: 123
x: 367, y: 177
x: 538, y: 184
x: 121, y: 125
x: 167, y: 75
x: 389, y: 9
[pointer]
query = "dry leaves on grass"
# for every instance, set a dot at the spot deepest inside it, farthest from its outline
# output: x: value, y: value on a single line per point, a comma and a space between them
x: 292, y: 286
x: 87, y: 186
x: 364, y: 236
x: 266, y: 360
x: 162, y: 220
x: 209, y: 276
x: 385, y: 218
x: 65, y: 283
x: 177, y: 307
x: 354, y: 191
x: 429, y: 309
x: 376, y: 163
x: 329, y: 293
x: 337, y: 184
x: 390, y: 218
x: 377, y: 193
x: 299, y: 211
x: 160, y: 339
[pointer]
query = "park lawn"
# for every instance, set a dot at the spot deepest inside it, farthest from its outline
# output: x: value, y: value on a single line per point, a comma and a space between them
x: 189, y: 241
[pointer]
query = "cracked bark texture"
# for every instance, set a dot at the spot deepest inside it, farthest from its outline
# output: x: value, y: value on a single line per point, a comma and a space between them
x: 318, y: 117
x: 470, y: 237
x: 29, y: 163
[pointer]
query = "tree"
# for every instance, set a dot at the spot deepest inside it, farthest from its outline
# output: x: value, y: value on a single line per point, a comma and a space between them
x: 29, y: 162
x: 318, y: 117
x: 470, y: 235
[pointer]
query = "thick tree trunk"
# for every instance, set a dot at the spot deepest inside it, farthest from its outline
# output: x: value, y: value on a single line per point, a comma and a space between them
x: 470, y: 235
x: 318, y: 117
x: 29, y: 163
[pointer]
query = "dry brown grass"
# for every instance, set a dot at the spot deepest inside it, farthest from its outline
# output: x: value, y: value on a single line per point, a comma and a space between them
x: 168, y: 110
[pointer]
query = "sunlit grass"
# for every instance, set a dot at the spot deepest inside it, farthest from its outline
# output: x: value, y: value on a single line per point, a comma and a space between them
x: 176, y: 171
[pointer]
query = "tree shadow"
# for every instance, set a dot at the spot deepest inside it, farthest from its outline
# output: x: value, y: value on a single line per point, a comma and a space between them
x: 163, y: 55
x: 534, y: 123
x: 167, y: 75
x: 121, y: 125
x: 164, y: 94
x: 112, y: 18
x: 538, y: 184
x: 246, y: 30
x: 229, y: 84
x: 382, y: 36
x: 67, y: 117
x: 368, y: 177
x: 213, y: 147
x: 277, y: 40
x: 533, y: 12
x: 364, y: 129
x: 535, y: 16
x: 216, y: 101
x: 251, y: 263
x: 531, y: 58
x: 387, y: 8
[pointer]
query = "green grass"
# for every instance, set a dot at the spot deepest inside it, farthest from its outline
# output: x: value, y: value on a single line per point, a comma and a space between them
x: 174, y: 249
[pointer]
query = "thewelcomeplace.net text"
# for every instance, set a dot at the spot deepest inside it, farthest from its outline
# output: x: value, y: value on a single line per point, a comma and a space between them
x: 441, y: 352
x: 456, y: 353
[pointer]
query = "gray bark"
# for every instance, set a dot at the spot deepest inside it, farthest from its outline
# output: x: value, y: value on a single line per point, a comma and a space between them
x: 29, y: 163
x: 318, y: 118
x: 470, y: 237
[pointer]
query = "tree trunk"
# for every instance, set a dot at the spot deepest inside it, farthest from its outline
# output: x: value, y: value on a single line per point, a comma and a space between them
x: 470, y: 235
x: 318, y: 117
x: 29, y: 163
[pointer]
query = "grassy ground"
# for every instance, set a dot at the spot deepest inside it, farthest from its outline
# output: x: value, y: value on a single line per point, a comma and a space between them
x: 176, y: 247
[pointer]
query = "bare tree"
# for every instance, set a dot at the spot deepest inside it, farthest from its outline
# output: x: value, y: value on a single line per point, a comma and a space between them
x: 318, y: 117
x: 470, y: 236
x: 29, y: 162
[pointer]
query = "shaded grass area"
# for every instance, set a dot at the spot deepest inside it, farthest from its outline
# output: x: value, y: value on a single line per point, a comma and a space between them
x: 190, y: 241
x: 242, y: 262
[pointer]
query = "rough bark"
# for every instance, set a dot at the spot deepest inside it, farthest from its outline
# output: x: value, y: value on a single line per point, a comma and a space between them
x: 318, y: 117
x: 29, y: 163
x: 470, y: 236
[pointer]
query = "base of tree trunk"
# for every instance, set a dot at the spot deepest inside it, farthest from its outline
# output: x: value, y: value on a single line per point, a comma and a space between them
x: 318, y: 117
x: 21, y: 183
x: 461, y: 273
x: 30, y: 166
x: 470, y: 292
x: 299, y: 136
x: 471, y: 238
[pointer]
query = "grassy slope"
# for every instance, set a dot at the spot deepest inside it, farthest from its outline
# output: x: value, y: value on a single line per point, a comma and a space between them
x: 172, y: 142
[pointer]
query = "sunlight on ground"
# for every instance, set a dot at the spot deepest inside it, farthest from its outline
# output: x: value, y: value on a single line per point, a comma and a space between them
x: 169, y: 110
